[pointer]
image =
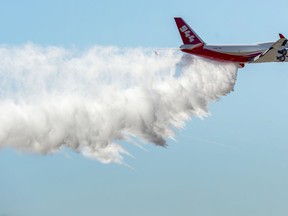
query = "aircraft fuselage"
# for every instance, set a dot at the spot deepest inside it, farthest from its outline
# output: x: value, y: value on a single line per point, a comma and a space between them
x: 233, y: 53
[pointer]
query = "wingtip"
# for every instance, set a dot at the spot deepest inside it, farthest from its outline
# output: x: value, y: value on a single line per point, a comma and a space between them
x: 281, y: 35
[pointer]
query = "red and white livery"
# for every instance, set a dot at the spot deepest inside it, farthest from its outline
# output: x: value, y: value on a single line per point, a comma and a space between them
x: 239, y: 54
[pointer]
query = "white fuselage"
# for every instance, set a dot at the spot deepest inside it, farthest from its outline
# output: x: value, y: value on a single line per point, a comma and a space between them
x: 240, y: 54
x: 239, y: 49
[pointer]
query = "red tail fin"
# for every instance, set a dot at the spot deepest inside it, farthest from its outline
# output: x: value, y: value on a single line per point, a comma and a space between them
x: 187, y: 34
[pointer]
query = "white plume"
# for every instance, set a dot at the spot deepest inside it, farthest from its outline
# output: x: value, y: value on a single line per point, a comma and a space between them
x: 88, y: 100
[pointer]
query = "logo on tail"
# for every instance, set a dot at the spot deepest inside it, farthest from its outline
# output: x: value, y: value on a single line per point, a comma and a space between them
x: 187, y: 34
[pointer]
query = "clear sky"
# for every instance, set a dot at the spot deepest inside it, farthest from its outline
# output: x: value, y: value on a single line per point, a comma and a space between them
x: 231, y: 163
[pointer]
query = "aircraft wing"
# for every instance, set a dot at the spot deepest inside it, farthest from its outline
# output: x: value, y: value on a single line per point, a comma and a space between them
x: 276, y: 53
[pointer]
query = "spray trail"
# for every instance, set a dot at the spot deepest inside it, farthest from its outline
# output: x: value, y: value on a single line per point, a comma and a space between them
x: 52, y: 97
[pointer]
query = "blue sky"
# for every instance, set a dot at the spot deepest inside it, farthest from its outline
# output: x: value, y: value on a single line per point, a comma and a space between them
x: 231, y: 163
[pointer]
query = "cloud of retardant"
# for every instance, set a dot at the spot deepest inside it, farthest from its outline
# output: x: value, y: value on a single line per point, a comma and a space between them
x: 89, y: 100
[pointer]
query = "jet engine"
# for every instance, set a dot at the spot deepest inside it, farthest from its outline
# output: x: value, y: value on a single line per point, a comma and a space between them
x: 282, y: 53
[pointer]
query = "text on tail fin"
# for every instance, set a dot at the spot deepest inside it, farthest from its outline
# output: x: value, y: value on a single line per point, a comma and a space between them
x: 187, y: 34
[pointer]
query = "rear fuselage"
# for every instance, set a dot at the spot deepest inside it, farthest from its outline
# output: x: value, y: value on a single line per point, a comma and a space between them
x: 232, y: 53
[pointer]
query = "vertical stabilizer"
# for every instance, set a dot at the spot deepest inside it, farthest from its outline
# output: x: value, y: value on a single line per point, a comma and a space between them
x: 187, y: 34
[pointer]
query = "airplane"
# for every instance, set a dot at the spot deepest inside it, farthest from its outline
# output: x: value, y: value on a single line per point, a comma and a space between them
x: 238, y: 54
